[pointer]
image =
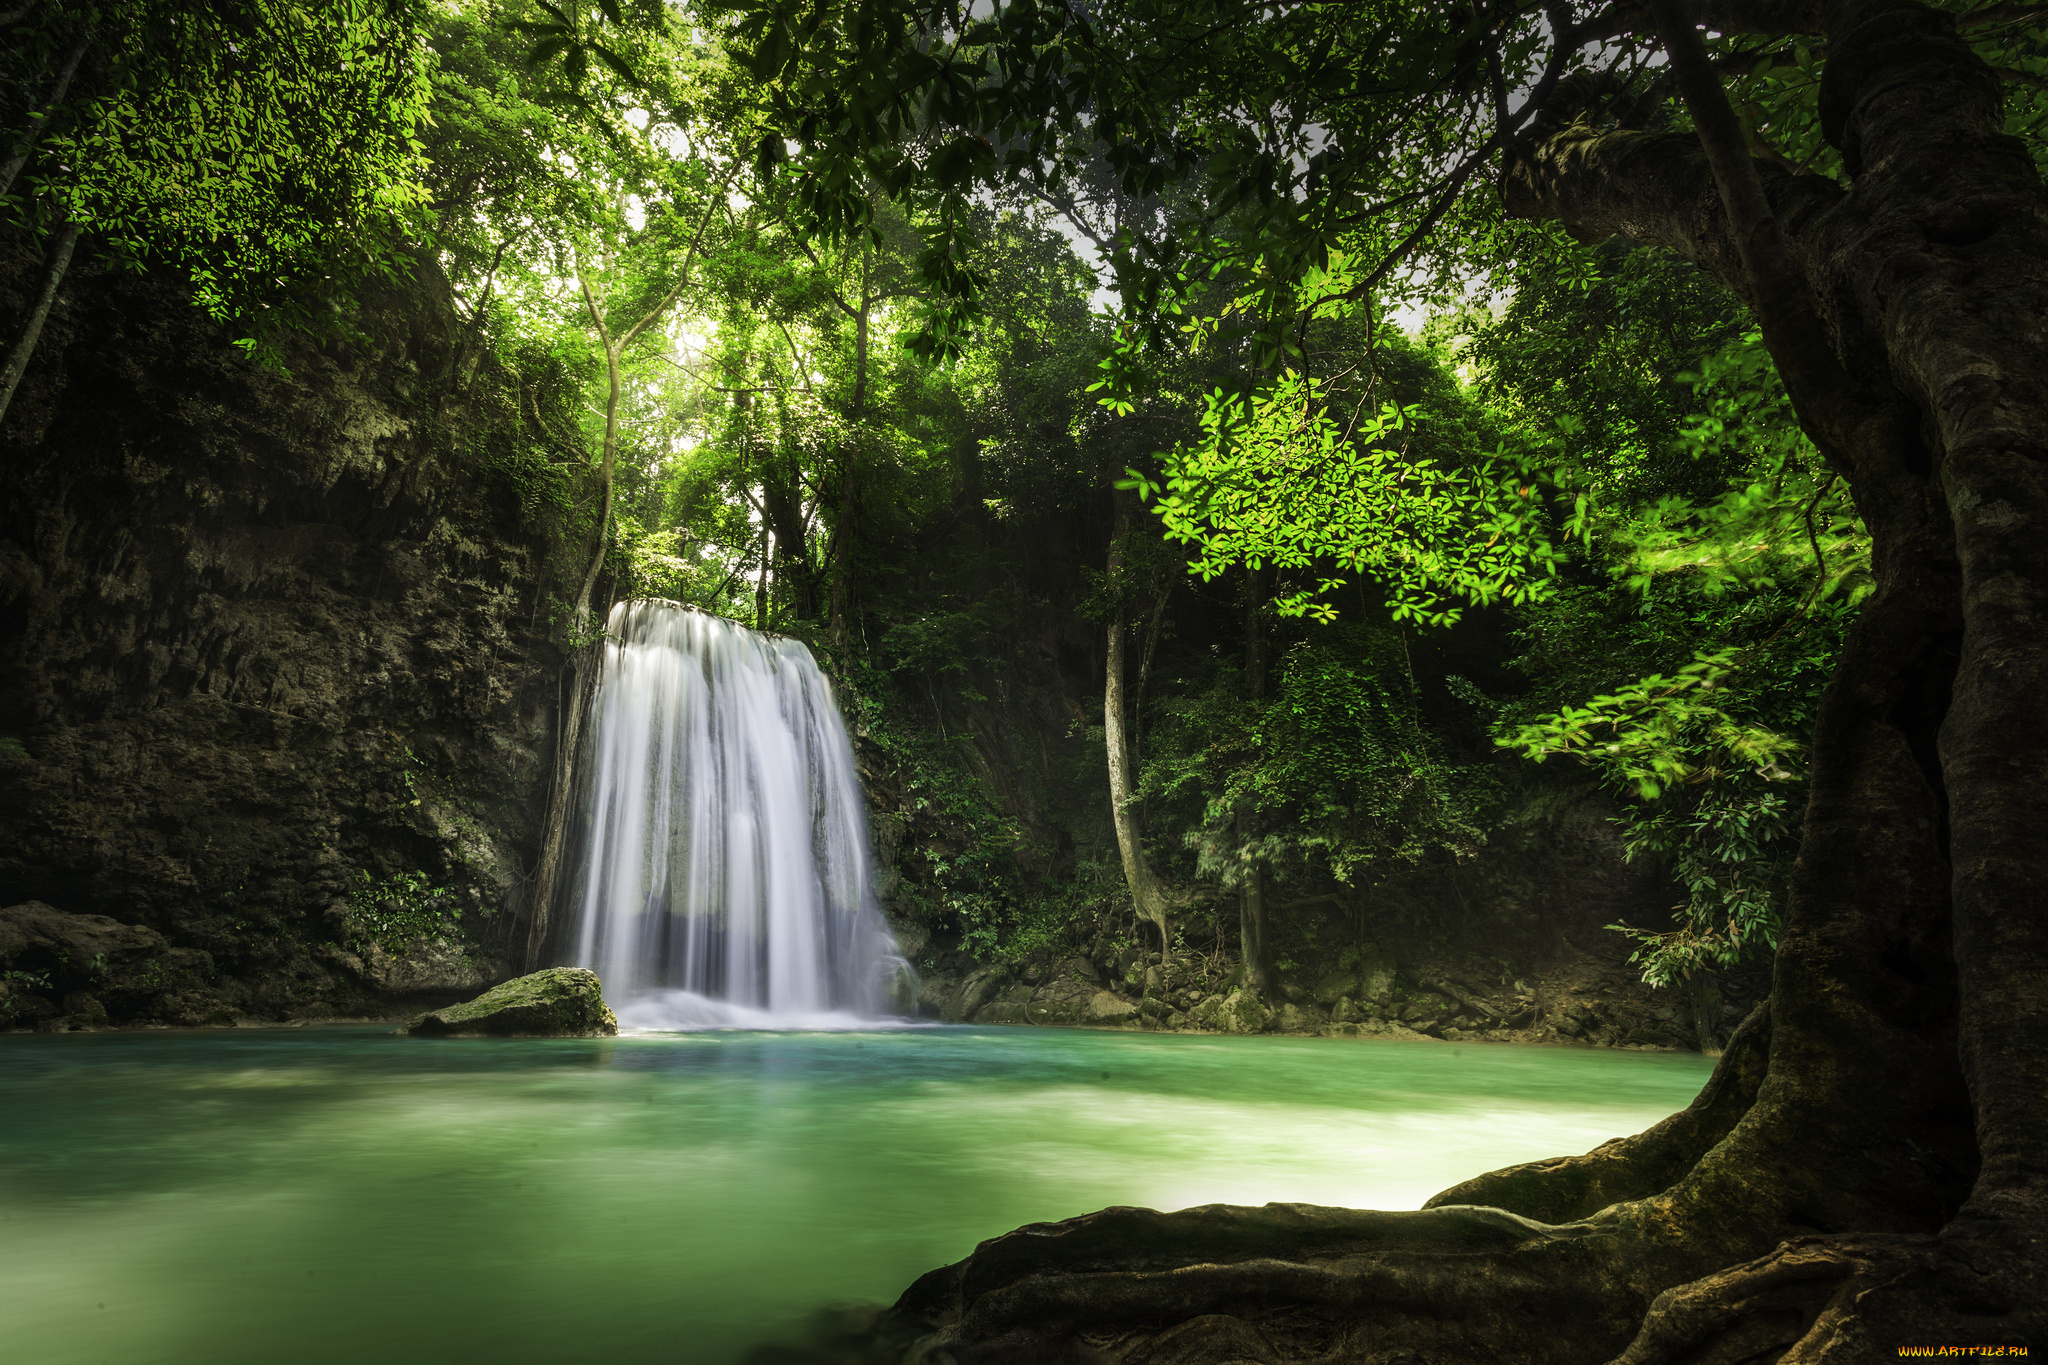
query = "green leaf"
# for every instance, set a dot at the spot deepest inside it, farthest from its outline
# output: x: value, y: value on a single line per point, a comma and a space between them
x: 618, y: 64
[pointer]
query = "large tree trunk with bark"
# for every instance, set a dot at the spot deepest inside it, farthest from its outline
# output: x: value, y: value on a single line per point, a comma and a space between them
x: 1868, y: 1166
x: 782, y: 503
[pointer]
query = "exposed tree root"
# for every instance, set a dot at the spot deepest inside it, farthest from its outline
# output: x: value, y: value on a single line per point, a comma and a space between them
x: 1562, y: 1189
x: 1294, y: 1285
x: 1282, y: 1283
x: 1834, y: 1300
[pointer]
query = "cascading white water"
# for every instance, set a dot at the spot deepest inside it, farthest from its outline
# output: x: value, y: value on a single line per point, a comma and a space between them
x: 725, y: 875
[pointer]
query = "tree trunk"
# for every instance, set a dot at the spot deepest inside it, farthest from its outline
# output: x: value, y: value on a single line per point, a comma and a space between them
x: 32, y: 330
x: 1251, y: 902
x: 1703, y: 1004
x: 1153, y: 621
x: 604, y: 476
x: 1866, y: 1168
x: 1146, y: 897
x: 843, y: 604
x: 966, y: 506
x: 540, y: 925
x: 782, y: 501
x: 52, y: 102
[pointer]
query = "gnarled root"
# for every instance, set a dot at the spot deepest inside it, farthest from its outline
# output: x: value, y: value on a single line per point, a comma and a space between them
x: 1837, y: 1300
x: 1291, y: 1283
x: 1562, y: 1189
x: 1282, y: 1283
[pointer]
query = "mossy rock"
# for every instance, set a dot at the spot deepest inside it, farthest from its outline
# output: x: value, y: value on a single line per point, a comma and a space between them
x: 560, y: 1002
x: 1333, y: 988
x: 1244, y: 1012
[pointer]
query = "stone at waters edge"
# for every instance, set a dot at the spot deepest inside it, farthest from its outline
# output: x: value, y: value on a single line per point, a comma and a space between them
x: 559, y: 1002
x: 1106, y: 1007
x: 105, y: 972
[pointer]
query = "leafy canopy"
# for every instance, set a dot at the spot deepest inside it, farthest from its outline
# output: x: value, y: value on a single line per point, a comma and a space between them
x: 249, y: 146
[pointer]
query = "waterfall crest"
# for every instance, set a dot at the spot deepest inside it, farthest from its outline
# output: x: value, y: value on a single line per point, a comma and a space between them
x: 725, y: 876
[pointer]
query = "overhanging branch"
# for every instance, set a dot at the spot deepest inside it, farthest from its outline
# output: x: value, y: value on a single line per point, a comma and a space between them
x: 1779, y: 290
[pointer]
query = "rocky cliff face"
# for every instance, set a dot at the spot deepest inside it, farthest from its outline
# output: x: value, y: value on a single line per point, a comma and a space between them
x: 270, y: 679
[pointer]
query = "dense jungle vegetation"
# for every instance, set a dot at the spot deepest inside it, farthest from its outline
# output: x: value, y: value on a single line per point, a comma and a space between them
x: 723, y: 399
x: 1344, y: 421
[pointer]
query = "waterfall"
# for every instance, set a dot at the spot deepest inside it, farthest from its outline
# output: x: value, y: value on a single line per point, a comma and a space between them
x: 724, y: 878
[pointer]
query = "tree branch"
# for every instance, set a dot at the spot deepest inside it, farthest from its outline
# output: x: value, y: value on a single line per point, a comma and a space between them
x: 12, y: 166
x: 1780, y: 293
x: 796, y: 361
x: 32, y: 331
x: 2002, y: 14
x: 689, y: 256
x: 802, y: 245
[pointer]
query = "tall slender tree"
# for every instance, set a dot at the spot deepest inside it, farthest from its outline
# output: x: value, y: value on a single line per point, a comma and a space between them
x: 1148, y: 897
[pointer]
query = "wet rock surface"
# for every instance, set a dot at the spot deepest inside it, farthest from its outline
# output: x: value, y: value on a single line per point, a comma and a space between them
x: 559, y: 1002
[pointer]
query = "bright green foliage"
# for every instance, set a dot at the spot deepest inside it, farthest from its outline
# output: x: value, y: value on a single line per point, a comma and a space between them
x: 1713, y: 794
x: 1660, y: 732
x: 1777, y: 506
x: 1689, y: 480
x: 1275, y: 480
x: 250, y: 146
x: 400, y: 909
x: 1361, y: 458
x: 1766, y: 561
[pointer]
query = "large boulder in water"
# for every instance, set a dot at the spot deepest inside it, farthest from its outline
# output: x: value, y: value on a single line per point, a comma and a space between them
x: 560, y: 1002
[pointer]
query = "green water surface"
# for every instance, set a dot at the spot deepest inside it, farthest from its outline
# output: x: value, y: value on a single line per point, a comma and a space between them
x: 307, y: 1196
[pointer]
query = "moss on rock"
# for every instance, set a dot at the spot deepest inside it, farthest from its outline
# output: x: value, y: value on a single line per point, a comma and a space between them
x: 560, y: 1002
